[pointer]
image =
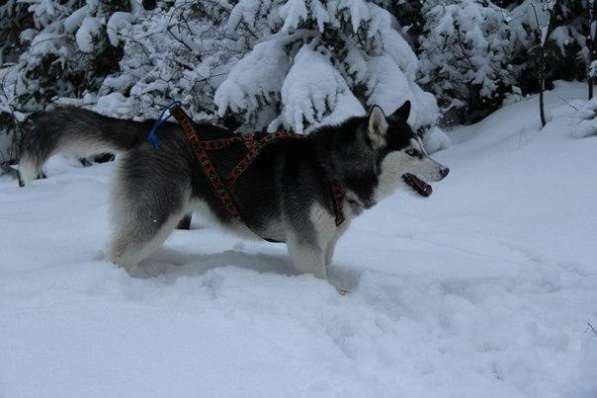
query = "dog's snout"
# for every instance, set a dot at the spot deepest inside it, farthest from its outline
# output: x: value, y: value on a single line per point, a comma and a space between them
x: 444, y: 172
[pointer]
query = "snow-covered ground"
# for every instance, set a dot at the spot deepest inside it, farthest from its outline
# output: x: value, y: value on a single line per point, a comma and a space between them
x: 486, y: 289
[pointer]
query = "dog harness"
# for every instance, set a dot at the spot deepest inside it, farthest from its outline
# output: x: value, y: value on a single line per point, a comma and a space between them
x: 222, y: 187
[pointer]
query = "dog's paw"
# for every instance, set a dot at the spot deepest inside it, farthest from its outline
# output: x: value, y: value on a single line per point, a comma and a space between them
x: 154, y: 269
x: 148, y: 270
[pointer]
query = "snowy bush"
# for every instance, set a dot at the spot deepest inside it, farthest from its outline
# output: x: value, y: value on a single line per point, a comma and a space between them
x: 68, y: 52
x: 111, y: 56
x: 466, y: 56
x: 252, y: 64
x: 14, y: 22
x: 269, y: 64
x: 9, y: 119
x: 14, y: 19
x: 180, y: 52
x: 586, y: 120
x: 409, y: 14
x: 564, y: 33
x: 64, y: 52
x: 436, y: 140
x: 319, y: 62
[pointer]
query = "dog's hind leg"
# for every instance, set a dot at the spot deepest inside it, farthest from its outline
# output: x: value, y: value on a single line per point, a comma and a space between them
x: 30, y: 169
x: 143, y: 218
x: 140, y: 234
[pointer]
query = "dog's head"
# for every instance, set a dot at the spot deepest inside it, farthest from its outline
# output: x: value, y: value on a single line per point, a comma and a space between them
x: 386, y: 150
x: 404, y: 163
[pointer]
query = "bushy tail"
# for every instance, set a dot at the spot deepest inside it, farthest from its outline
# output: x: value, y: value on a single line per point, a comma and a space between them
x: 76, y: 132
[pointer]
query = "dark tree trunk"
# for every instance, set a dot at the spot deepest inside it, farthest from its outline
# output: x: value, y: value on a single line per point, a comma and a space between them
x: 551, y: 25
x: 592, y: 46
x: 542, y: 107
x: 542, y: 85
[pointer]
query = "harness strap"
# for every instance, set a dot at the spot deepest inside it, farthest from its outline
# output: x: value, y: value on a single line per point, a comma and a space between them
x: 249, y: 143
x: 221, y: 189
x: 164, y: 116
x: 209, y: 169
x: 255, y: 148
x: 338, y: 195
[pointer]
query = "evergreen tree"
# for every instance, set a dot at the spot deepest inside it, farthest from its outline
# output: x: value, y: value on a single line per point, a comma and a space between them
x: 590, y: 50
x: 64, y: 52
x: 311, y: 62
x: 14, y: 22
x: 14, y: 19
x: 68, y: 51
x: 466, y: 57
x: 179, y: 51
x: 564, y: 46
x: 409, y: 14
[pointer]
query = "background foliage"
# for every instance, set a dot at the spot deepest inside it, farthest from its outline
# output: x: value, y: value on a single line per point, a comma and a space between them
x: 265, y: 64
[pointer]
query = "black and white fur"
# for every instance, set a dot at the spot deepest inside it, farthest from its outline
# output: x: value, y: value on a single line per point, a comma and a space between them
x: 283, y: 195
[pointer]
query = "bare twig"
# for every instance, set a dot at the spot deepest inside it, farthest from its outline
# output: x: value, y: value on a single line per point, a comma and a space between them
x: 568, y: 103
x: 590, y: 326
x: 179, y: 10
x: 169, y: 29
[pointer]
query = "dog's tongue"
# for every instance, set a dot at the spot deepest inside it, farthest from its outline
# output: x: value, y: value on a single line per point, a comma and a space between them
x: 420, y: 186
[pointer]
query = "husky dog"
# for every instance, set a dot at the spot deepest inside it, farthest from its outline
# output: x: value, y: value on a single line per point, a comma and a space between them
x: 283, y: 196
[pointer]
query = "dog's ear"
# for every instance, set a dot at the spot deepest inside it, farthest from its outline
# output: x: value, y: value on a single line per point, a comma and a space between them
x: 378, y: 127
x: 403, y: 112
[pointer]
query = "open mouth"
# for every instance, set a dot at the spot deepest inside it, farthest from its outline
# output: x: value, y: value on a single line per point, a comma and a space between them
x: 418, y: 185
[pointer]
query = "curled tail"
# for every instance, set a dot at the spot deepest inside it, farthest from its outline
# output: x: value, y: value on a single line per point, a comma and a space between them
x: 76, y: 132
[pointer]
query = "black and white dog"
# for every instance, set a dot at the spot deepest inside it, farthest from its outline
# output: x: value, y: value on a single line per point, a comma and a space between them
x: 283, y: 196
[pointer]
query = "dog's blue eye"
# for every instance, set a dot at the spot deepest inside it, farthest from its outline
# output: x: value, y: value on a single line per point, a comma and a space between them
x: 413, y: 153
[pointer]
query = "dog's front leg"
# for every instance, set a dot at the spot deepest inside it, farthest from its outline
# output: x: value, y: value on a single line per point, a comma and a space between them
x: 333, y: 239
x: 329, y: 251
x: 307, y: 258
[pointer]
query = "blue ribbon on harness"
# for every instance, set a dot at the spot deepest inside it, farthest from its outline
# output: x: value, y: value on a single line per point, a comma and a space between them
x: 152, y: 136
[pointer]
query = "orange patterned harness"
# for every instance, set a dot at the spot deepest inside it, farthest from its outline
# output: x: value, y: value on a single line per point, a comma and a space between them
x: 222, y: 187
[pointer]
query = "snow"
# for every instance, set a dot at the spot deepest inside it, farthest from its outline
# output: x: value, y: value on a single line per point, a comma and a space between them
x: 392, y: 42
x: 359, y: 12
x: 87, y: 33
x: 312, y: 88
x: 586, y: 123
x: 49, y: 42
x: 485, y: 289
x: 320, y: 14
x: 390, y: 89
x: 369, y: 61
x: 531, y: 13
x: 7, y: 81
x: 74, y: 21
x: 561, y: 36
x: 244, y: 11
x: 261, y: 73
x: 435, y: 140
x: 114, y: 104
x: 466, y: 52
x: 293, y: 13
x: 118, y: 22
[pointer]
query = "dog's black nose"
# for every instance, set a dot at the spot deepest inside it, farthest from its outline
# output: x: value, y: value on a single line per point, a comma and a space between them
x: 444, y: 172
